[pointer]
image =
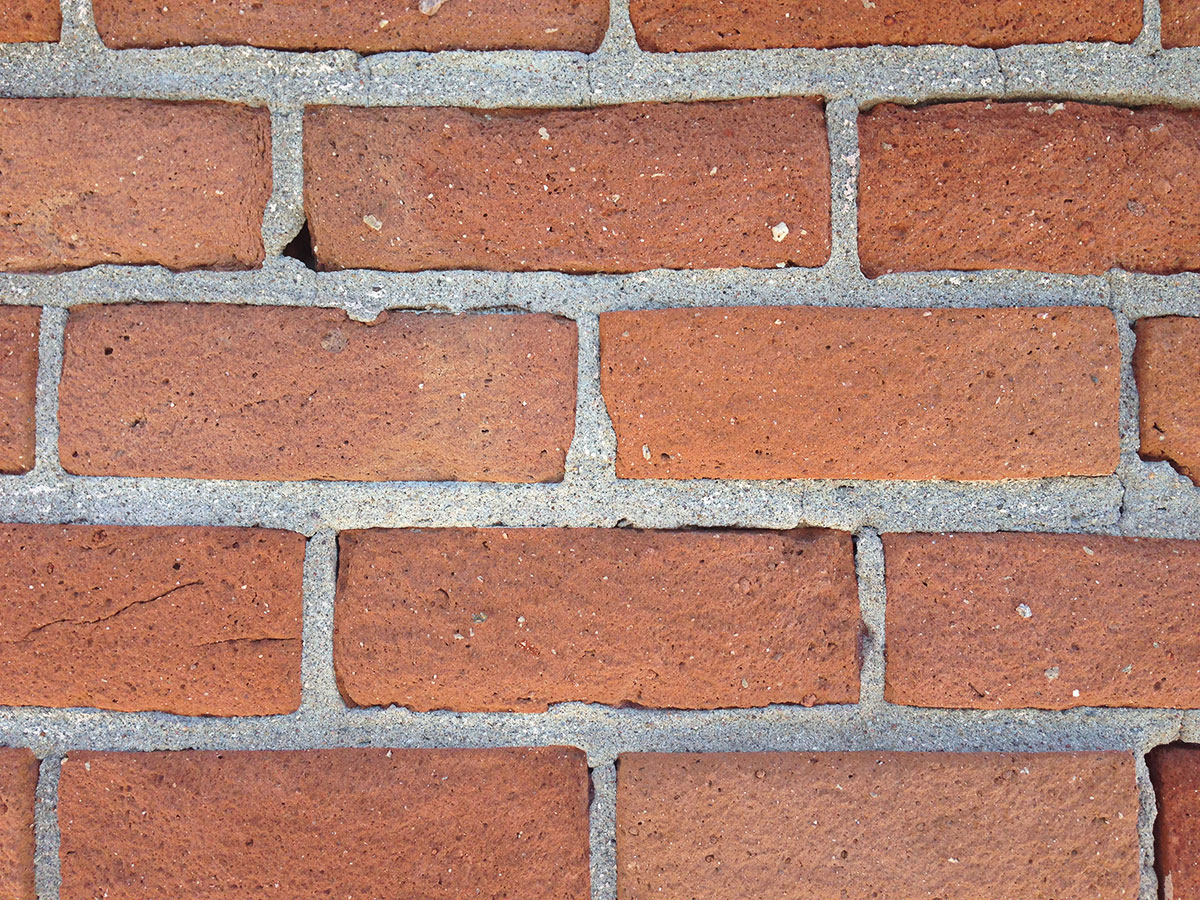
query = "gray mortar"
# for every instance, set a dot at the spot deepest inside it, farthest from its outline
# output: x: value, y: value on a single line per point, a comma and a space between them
x: 1147, y: 499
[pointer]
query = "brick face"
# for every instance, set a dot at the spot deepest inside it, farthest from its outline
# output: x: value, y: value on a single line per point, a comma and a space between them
x: 516, y: 619
x: 1166, y: 365
x: 193, y: 392
x: 439, y: 824
x: 18, y: 781
x: 351, y: 24
x: 610, y: 189
x: 1175, y: 773
x: 132, y: 182
x: 808, y: 826
x: 197, y: 621
x: 30, y: 20
x: 795, y: 392
x: 18, y: 387
x: 682, y: 25
x: 1054, y: 187
x: 1180, y: 23
x: 990, y: 621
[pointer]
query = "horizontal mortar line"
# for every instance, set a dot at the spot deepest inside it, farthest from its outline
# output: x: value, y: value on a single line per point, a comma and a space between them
x: 606, y: 731
x: 1068, y: 503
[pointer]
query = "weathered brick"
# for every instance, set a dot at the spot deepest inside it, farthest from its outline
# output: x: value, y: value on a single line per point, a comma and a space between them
x: 1175, y: 773
x: 682, y: 25
x: 196, y: 621
x: 1180, y: 23
x: 1052, y: 621
x: 30, y: 20
x: 610, y: 189
x: 519, y: 618
x: 18, y: 781
x: 907, y: 826
x: 18, y: 387
x: 437, y: 824
x: 351, y: 24
x: 1166, y: 365
x: 802, y: 392
x: 1055, y: 187
x: 195, y: 392
x: 135, y: 182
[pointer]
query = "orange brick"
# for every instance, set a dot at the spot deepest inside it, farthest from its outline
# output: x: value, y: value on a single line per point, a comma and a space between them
x: 18, y: 781
x: 1166, y: 365
x: 18, y: 387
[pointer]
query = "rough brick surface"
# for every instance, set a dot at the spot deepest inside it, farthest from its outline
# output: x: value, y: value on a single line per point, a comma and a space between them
x: 681, y: 25
x: 610, y: 189
x: 437, y: 824
x: 907, y: 826
x: 1180, y: 23
x: 354, y: 25
x: 798, y: 392
x: 1166, y: 365
x: 197, y: 621
x: 1052, y: 621
x: 1056, y: 187
x: 135, y: 182
x: 516, y: 619
x: 18, y: 386
x: 1175, y: 772
x: 18, y: 781
x: 195, y: 392
x: 30, y: 20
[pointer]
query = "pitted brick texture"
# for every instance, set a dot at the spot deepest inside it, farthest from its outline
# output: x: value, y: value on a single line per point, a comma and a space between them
x: 189, y: 391
x: 1166, y: 364
x: 798, y: 392
x: 30, y: 20
x: 1053, y: 621
x: 439, y: 824
x: 520, y: 618
x: 681, y: 25
x: 1054, y: 187
x: 610, y: 189
x: 354, y: 25
x: 1175, y: 773
x: 1180, y: 23
x: 196, y: 621
x: 18, y: 387
x: 18, y: 781
x: 907, y: 826
x: 135, y: 182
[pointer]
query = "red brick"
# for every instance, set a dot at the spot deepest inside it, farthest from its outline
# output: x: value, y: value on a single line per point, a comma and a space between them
x: 354, y: 25
x: 196, y: 621
x: 436, y: 824
x: 1053, y: 621
x: 18, y: 781
x: 18, y: 387
x: 801, y: 392
x: 1166, y: 365
x: 906, y: 826
x: 682, y: 25
x: 1180, y: 23
x: 1054, y: 187
x: 519, y: 618
x: 1175, y: 772
x: 195, y: 392
x: 135, y: 182
x: 30, y: 20
x: 610, y: 189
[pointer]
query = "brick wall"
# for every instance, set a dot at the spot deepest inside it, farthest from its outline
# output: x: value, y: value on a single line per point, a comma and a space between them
x: 494, y: 448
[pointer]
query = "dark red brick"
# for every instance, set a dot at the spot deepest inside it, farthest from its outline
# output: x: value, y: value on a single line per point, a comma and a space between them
x: 519, y: 618
x: 435, y: 824
x: 1166, y: 365
x: 802, y: 392
x: 1175, y: 772
x: 197, y: 621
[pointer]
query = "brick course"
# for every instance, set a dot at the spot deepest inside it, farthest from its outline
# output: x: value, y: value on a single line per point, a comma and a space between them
x: 517, y: 619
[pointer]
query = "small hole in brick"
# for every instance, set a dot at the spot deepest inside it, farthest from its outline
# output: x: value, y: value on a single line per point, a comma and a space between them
x: 301, y: 248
